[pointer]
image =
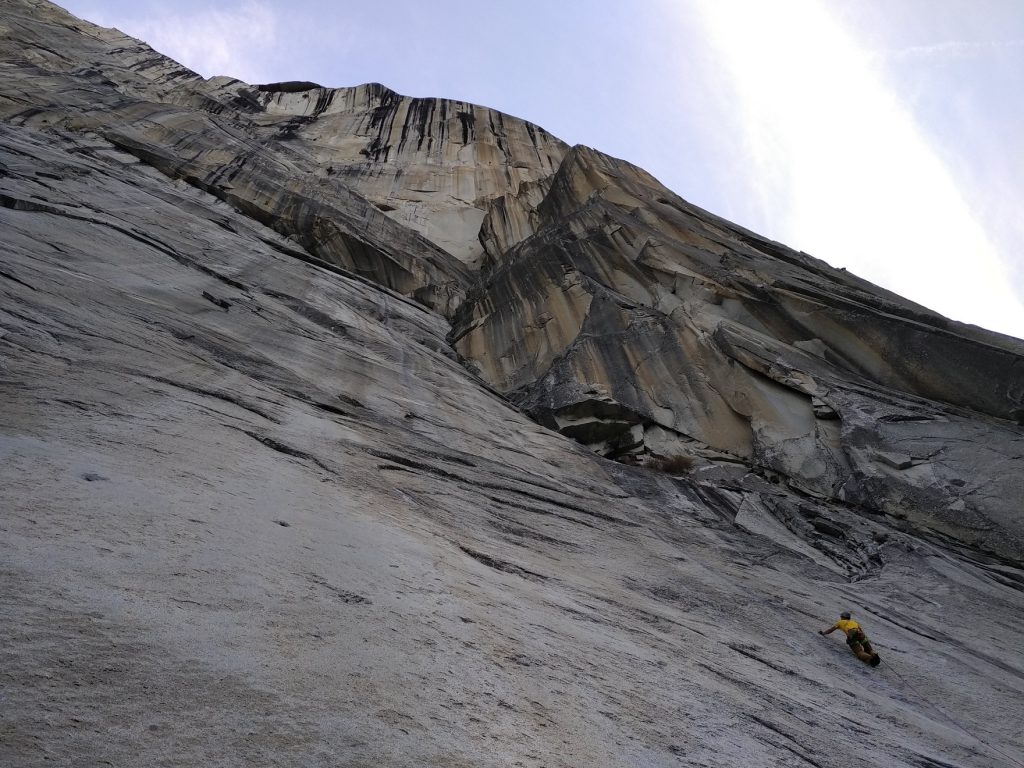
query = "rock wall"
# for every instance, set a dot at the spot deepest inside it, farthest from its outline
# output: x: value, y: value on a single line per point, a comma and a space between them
x: 271, y: 493
x: 431, y: 164
x: 202, y: 133
x: 640, y: 325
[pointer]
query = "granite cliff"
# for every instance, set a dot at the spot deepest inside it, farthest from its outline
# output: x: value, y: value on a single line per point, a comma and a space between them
x: 346, y: 428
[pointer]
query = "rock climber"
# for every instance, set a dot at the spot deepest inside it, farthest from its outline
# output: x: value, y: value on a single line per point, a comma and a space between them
x: 855, y: 639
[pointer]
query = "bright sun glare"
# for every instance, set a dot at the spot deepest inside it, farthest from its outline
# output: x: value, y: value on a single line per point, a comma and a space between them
x: 841, y: 167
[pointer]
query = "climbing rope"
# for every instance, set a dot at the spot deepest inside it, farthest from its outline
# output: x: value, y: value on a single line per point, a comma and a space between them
x: 951, y: 720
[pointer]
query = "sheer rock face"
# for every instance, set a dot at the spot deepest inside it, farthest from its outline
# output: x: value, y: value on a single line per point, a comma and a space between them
x: 256, y: 508
x: 432, y: 164
x: 637, y: 323
x: 203, y: 132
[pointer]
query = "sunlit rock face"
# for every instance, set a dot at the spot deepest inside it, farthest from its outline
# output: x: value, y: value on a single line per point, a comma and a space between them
x: 434, y: 165
x: 639, y: 324
x: 306, y: 454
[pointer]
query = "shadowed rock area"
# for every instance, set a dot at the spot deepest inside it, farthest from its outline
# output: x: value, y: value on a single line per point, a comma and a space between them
x: 335, y: 431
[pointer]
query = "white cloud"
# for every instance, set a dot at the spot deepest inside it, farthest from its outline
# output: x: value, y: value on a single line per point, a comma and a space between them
x: 841, y: 168
x: 229, y: 40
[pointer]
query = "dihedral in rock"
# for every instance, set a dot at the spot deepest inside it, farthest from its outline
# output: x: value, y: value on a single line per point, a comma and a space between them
x: 636, y: 323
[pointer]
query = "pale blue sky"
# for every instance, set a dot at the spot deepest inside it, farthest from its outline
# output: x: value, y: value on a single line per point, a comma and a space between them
x: 883, y: 136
